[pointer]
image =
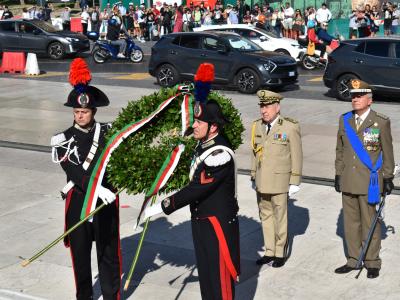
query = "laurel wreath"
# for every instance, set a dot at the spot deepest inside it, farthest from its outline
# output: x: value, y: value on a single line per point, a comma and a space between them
x: 135, y: 163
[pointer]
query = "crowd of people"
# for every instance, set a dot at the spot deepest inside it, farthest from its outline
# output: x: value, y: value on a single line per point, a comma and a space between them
x: 148, y: 23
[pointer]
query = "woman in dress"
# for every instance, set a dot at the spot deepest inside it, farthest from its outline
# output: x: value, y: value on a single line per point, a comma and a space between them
x: 178, y: 25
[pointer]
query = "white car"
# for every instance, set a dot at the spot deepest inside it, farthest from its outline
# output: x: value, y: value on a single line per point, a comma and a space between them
x: 265, y: 39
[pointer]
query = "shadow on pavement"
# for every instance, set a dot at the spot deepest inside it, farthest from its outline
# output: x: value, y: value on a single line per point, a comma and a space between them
x: 340, y: 231
x: 298, y: 220
x: 158, y: 254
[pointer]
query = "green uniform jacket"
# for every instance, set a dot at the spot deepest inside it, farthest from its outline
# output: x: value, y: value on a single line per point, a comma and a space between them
x: 375, y: 134
x: 277, y: 158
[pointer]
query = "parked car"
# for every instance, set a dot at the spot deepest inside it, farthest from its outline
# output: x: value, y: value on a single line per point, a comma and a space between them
x: 374, y: 60
x: 238, y: 61
x: 39, y: 37
x: 265, y: 39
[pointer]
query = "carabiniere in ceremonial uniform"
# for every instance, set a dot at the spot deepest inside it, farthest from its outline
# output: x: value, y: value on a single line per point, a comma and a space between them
x: 211, y: 195
x: 77, y: 150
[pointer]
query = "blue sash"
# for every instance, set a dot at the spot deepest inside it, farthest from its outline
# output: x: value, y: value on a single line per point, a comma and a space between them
x: 373, y: 188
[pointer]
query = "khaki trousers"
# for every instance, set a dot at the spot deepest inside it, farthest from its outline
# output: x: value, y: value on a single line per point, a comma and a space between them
x: 273, y: 216
x: 358, y: 216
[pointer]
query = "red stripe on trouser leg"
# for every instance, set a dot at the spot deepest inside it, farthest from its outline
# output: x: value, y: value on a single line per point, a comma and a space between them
x: 226, y: 288
x: 73, y: 270
x: 223, y: 247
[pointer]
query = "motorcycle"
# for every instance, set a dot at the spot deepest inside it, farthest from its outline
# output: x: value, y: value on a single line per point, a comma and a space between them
x: 104, y: 50
x: 311, y: 62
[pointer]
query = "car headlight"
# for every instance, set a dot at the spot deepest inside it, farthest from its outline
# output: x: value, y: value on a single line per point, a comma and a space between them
x: 69, y: 39
x: 270, y: 66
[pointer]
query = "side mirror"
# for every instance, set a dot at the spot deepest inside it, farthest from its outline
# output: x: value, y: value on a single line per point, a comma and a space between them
x: 36, y: 31
x: 263, y: 38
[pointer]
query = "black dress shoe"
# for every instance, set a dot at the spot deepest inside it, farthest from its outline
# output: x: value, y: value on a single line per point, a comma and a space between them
x: 264, y: 260
x: 344, y: 269
x: 278, y: 262
x: 372, y: 272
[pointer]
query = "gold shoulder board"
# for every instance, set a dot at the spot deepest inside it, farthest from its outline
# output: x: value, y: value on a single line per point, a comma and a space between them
x: 382, y: 116
x: 290, y: 120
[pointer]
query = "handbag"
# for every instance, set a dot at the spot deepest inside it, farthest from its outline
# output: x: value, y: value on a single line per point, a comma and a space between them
x: 311, y: 48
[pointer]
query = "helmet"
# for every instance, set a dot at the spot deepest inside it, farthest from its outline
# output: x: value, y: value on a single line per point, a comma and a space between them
x: 112, y: 22
x: 310, y: 24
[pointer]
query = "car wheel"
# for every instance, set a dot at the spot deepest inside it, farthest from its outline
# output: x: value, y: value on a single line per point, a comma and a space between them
x: 136, y: 56
x: 56, y: 50
x: 307, y: 63
x: 247, y: 81
x: 342, y: 86
x: 167, y: 75
x: 99, y: 56
x: 282, y: 51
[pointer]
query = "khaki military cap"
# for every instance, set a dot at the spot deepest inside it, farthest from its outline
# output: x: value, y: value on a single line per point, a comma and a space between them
x: 359, y: 86
x: 268, y: 97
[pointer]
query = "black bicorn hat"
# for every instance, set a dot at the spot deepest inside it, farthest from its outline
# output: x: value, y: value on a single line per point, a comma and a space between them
x: 83, y: 95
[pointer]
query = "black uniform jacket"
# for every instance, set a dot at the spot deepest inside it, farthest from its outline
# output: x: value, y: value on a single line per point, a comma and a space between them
x: 212, y: 193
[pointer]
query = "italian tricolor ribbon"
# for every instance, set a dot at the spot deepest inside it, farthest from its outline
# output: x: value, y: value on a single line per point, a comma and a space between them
x: 165, y: 172
x: 99, y: 170
x: 187, y: 112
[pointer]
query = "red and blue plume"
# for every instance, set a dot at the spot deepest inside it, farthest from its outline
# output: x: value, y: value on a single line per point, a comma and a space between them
x: 202, y: 81
x: 79, y: 75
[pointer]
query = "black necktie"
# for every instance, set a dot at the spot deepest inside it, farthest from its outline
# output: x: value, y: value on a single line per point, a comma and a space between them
x: 269, y: 128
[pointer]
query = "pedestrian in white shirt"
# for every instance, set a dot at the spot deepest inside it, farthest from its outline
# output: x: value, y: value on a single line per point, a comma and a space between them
x: 323, y: 14
x: 85, y: 19
x: 287, y: 23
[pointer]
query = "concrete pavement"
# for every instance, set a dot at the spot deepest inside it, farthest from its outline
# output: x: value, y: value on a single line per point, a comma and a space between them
x: 31, y: 212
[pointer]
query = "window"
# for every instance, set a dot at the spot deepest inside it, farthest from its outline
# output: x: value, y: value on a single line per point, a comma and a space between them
x: 7, y: 26
x: 210, y: 44
x: 190, y: 41
x: 360, y: 48
x: 26, y: 27
x: 397, y: 49
x: 377, y: 48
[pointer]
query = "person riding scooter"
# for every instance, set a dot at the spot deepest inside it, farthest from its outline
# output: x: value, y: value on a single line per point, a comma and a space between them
x: 114, y: 29
x: 313, y: 38
x: 325, y: 37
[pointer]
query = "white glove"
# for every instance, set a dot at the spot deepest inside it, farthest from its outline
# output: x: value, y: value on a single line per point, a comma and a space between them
x: 293, y: 189
x: 153, y: 210
x: 253, y: 185
x: 106, y: 195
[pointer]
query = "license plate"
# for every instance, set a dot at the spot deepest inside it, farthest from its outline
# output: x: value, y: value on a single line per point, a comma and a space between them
x: 291, y: 73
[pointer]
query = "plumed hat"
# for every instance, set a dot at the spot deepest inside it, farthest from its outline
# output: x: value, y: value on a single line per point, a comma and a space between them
x: 83, y: 95
x: 204, y: 110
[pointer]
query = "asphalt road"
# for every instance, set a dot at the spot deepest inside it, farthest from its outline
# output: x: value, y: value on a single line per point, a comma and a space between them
x: 124, y: 73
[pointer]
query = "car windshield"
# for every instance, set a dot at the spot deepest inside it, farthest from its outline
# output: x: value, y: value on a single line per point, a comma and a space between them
x: 45, y: 26
x: 269, y: 33
x: 243, y: 44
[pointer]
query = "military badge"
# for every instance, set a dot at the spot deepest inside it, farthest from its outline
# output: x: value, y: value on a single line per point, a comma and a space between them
x: 281, y: 137
x: 355, y: 83
x: 197, y: 110
x: 166, y: 202
x: 371, y: 139
x: 83, y: 100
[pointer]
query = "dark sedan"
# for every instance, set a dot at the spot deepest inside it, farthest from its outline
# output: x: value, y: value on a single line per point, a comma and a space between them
x: 238, y: 61
x: 373, y: 60
x: 39, y: 37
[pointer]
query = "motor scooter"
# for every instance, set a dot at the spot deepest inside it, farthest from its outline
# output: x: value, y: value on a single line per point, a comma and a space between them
x: 104, y: 50
x: 310, y: 62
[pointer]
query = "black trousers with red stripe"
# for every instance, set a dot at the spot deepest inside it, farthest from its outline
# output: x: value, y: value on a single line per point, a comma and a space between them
x: 215, y: 282
x: 104, y: 230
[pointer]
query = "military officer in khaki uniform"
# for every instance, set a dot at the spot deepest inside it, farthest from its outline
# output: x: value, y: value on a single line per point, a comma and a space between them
x: 276, y: 171
x: 364, y: 169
